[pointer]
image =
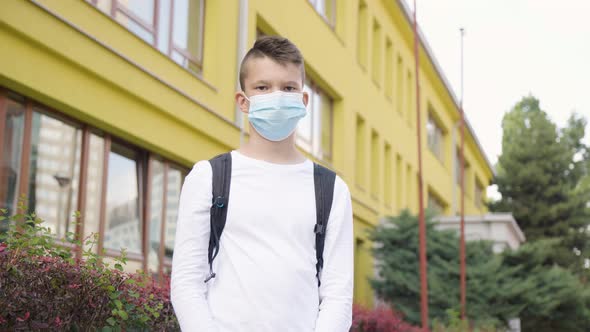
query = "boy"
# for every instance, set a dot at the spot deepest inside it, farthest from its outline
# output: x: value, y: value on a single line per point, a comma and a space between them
x: 265, y: 272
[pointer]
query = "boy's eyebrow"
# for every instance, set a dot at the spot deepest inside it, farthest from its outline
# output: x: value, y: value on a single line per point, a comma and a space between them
x: 261, y: 82
x: 268, y: 83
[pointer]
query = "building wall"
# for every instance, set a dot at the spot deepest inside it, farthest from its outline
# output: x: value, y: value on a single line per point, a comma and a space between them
x: 500, y: 228
x: 77, y: 61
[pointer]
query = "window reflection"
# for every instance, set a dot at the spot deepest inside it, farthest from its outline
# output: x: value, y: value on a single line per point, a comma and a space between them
x: 54, y: 172
x: 123, y: 226
x: 54, y: 168
x: 314, y: 131
x: 91, y: 216
x: 175, y: 178
x: 155, y: 222
x: 187, y: 26
x: 173, y: 27
x: 137, y: 16
x: 11, y: 156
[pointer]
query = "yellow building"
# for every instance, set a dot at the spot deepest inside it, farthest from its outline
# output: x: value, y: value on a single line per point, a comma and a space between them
x: 106, y: 104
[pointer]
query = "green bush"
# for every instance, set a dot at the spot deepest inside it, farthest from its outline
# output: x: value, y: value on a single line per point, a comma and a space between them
x: 44, y: 287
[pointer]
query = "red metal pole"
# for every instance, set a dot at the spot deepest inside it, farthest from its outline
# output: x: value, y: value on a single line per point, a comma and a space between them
x: 421, y: 221
x: 463, y: 273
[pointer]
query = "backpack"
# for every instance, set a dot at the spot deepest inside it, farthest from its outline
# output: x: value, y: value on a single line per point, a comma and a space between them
x: 324, y: 192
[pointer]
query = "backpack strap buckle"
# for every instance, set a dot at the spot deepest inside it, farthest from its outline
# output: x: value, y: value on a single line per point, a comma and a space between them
x: 219, y: 202
x: 319, y: 229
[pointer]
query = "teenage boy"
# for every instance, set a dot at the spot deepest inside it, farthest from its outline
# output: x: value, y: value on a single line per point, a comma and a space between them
x: 265, y: 276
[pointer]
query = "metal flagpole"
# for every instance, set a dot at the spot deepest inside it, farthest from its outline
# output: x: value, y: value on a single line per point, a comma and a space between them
x: 421, y: 221
x: 463, y: 276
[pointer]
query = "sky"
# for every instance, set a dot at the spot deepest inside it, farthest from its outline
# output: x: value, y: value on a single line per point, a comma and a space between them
x: 512, y: 48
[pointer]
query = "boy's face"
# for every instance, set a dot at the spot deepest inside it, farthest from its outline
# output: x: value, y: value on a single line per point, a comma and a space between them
x: 264, y: 75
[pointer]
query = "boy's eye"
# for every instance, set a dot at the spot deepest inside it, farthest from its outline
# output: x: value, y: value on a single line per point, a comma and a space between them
x: 260, y: 88
x: 290, y: 88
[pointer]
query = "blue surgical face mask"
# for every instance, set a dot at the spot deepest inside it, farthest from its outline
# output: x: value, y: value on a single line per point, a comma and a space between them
x: 275, y: 115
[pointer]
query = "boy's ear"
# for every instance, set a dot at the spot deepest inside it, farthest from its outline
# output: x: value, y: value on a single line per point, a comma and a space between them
x: 305, y: 98
x: 242, y: 102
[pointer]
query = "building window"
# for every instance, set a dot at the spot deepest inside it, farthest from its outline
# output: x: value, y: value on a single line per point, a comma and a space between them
x: 326, y: 9
x: 54, y: 171
x: 435, y: 135
x: 68, y: 166
x: 94, y: 188
x: 123, y: 228
x: 375, y: 165
x: 360, y: 157
x: 458, y: 171
x: 376, y: 52
x: 363, y: 25
x: 411, y: 99
x: 400, y: 95
x: 435, y: 204
x: 388, y: 68
x: 479, y: 196
x: 175, y: 27
x: 165, y: 185
x: 12, y: 124
x: 314, y: 132
x: 388, y: 175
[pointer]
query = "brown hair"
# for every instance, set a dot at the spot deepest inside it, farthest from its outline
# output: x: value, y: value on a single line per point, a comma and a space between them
x: 279, y: 49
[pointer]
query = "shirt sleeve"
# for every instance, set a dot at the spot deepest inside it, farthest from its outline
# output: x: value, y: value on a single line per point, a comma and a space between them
x: 189, y: 263
x: 337, y: 275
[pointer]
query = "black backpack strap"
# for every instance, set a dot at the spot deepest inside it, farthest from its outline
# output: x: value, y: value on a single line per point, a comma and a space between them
x: 221, y: 167
x: 324, y: 193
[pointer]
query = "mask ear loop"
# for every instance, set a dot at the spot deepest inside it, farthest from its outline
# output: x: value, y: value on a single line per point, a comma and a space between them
x: 243, y: 125
x: 244, y: 94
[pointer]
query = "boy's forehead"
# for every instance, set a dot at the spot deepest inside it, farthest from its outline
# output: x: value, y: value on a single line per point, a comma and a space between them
x: 267, y: 69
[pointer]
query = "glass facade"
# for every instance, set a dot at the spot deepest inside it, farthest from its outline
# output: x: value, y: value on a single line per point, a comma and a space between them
x: 43, y: 156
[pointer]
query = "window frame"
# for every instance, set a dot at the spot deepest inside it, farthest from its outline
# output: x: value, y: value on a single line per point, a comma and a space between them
x: 312, y: 146
x: 143, y: 159
x: 116, y: 7
x: 435, y: 198
x: 478, y: 195
x: 331, y: 21
x: 466, y: 167
x: 439, y: 133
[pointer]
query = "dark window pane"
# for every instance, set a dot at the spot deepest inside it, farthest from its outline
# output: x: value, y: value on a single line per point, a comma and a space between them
x: 54, y: 172
x: 11, y: 155
x: 123, y: 224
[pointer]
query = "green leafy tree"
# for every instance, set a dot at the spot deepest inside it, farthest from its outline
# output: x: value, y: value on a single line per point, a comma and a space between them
x: 543, y: 178
x: 555, y: 299
x: 490, y: 284
x: 524, y: 283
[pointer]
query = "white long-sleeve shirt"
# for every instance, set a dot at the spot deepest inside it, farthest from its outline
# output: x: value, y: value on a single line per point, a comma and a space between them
x: 266, y: 274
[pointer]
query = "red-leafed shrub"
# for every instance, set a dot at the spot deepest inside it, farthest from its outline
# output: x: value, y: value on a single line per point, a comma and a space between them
x: 43, y: 287
x: 380, y: 319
